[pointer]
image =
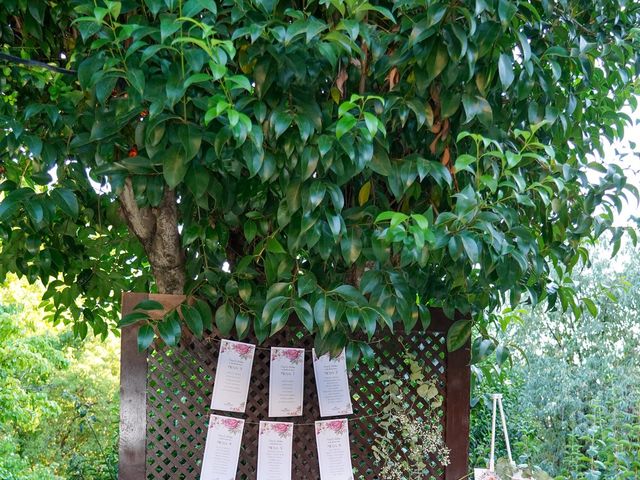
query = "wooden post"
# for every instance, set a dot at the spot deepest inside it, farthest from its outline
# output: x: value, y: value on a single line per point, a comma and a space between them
x: 133, y: 390
x: 133, y: 398
x: 458, y: 405
x: 458, y: 401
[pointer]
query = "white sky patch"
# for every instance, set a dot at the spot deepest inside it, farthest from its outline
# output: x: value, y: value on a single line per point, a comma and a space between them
x: 626, y: 154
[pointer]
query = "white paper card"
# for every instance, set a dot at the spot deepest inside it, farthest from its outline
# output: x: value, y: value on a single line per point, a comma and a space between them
x: 484, y: 474
x: 233, y: 373
x: 222, y: 450
x: 334, y: 452
x: 286, y: 382
x: 332, y: 383
x: 275, y: 451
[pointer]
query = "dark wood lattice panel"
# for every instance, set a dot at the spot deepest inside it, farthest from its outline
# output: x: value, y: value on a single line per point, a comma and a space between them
x: 180, y: 382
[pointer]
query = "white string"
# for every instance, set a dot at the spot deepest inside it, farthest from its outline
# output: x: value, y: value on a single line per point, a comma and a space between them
x: 310, y: 424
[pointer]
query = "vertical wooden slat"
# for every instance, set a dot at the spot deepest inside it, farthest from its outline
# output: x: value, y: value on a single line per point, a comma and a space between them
x: 133, y: 398
x: 457, y: 412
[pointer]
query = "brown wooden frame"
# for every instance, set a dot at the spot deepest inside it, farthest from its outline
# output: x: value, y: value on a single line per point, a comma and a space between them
x: 133, y: 396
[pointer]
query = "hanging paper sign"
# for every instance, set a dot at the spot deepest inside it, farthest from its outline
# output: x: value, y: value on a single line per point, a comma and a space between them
x: 233, y: 373
x: 334, y: 453
x: 332, y: 383
x: 286, y: 382
x: 275, y: 451
x: 222, y: 450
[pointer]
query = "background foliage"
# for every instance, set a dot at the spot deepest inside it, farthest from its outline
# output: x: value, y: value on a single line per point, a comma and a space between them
x: 59, y: 397
x: 311, y: 158
x: 573, y: 403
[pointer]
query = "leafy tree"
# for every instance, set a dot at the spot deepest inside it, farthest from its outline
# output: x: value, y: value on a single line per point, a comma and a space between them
x: 58, y: 402
x: 346, y: 161
x: 573, y: 401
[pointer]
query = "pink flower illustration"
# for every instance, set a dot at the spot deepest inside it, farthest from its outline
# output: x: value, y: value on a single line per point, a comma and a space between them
x: 231, y: 423
x: 284, y: 430
x: 489, y: 476
x: 281, y: 428
x: 243, y: 349
x: 293, y: 355
x: 336, y: 425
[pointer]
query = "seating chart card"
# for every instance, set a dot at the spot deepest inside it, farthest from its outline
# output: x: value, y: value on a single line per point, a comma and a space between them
x: 334, y: 452
x: 233, y: 373
x: 222, y: 449
x: 332, y: 383
x: 286, y: 382
x: 275, y: 451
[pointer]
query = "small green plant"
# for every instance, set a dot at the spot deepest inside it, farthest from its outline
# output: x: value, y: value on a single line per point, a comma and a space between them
x: 421, y: 437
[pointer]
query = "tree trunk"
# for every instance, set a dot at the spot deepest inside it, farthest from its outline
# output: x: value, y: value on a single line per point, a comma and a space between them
x: 157, y: 230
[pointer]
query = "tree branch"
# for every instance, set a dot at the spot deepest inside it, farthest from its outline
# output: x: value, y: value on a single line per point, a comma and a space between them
x: 157, y: 230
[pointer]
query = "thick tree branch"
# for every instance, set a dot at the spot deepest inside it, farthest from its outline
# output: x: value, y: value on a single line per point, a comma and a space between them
x: 157, y: 230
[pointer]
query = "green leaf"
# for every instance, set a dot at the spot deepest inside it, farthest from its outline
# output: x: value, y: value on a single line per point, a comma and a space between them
x: 471, y: 247
x: 133, y: 317
x: 274, y: 246
x: 351, y: 247
x: 279, y: 320
x: 458, y: 334
x: 166, y: 331
x: 8, y: 207
x: 190, y: 138
x: 281, y: 121
x: 425, y: 316
x: 174, y: 165
x: 502, y: 354
x: 242, y: 324
x: 505, y: 70
x: 35, y: 211
x: 307, y: 284
x: 205, y: 314
x: 369, y: 318
x: 591, y: 306
x: 352, y: 351
x: 146, y: 335
x: 506, y: 10
x: 250, y: 230
x: 271, y: 307
x: 305, y: 313
x: 149, y: 305
x: 345, y: 124
x: 136, y: 78
x: 193, y: 319
x: 225, y: 319
x: 349, y: 292
x: 66, y: 200
x: 353, y: 318
x: 477, y: 106
x: 464, y: 162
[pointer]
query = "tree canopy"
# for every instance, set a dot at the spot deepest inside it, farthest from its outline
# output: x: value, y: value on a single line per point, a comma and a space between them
x: 344, y: 163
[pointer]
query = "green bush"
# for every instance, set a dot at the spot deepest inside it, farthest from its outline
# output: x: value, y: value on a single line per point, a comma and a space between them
x: 58, y: 401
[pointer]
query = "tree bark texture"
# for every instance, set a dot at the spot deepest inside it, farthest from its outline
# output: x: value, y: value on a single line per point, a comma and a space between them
x: 157, y: 230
